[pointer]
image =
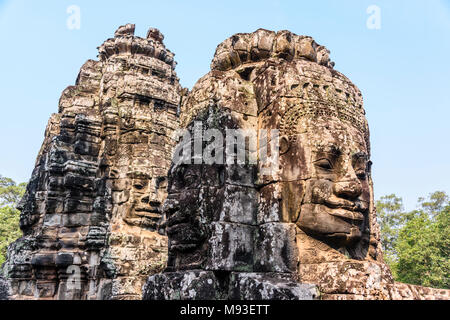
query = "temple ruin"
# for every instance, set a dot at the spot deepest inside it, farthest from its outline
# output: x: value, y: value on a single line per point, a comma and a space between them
x: 110, y: 214
x: 91, y: 216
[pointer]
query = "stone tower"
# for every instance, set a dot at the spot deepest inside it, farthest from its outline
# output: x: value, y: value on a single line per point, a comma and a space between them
x: 91, y: 214
x: 293, y: 218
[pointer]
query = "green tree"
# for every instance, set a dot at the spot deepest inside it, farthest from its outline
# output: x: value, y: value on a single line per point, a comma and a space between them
x: 391, y: 217
x: 10, y: 195
x: 417, y: 243
x: 10, y: 192
x: 423, y: 244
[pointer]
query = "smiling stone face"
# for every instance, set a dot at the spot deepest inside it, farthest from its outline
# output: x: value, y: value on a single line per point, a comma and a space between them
x: 190, y: 212
x: 336, y: 195
x: 323, y: 183
x: 146, y: 195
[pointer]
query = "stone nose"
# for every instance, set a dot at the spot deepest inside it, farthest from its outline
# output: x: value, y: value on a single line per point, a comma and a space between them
x: 170, y: 206
x: 151, y: 200
x: 145, y: 199
x: 22, y: 202
x: 348, y: 189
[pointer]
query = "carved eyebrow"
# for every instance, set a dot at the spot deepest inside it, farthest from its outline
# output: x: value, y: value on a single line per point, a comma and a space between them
x: 360, y: 155
x: 330, y: 149
x: 330, y: 155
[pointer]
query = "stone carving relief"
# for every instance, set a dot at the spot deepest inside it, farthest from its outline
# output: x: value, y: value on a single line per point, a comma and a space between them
x: 91, y: 215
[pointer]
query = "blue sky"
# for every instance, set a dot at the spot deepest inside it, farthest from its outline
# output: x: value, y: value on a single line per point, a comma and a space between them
x: 402, y: 69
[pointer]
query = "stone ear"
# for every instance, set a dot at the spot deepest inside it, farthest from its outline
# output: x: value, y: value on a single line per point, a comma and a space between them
x: 284, y: 145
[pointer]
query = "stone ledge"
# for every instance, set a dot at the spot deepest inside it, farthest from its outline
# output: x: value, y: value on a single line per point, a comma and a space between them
x: 208, y: 285
x: 4, y: 294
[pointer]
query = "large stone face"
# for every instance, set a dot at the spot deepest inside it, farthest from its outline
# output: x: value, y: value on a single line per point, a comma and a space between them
x: 304, y: 213
x: 91, y: 215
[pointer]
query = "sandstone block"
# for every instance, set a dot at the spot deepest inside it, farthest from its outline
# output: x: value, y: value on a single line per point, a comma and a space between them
x: 193, y: 285
x: 269, y: 286
x: 276, y: 249
x: 231, y: 247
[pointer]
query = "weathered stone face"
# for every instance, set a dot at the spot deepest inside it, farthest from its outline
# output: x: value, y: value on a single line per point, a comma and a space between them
x: 338, y: 187
x: 91, y: 215
x: 186, y: 231
x: 323, y: 183
x: 201, y: 204
x: 327, y: 167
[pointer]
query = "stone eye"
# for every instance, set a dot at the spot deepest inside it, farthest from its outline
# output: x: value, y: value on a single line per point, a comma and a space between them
x: 361, y: 174
x: 190, y: 178
x: 139, y: 186
x: 361, y: 165
x: 324, y: 164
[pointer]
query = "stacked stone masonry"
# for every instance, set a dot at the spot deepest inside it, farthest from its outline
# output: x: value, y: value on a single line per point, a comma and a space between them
x: 91, y: 215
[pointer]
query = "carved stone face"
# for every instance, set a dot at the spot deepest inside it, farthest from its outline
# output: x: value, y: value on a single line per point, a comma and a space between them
x: 194, y: 200
x: 183, y: 225
x: 142, y: 155
x: 208, y: 205
x: 146, y: 197
x: 331, y: 159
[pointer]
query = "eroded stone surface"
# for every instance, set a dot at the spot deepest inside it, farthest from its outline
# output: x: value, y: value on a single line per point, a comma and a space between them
x: 270, y: 286
x: 4, y: 289
x: 91, y: 214
x: 193, y: 285
x: 207, y: 285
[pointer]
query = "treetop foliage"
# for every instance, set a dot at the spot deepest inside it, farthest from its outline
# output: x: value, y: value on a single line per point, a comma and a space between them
x: 10, y: 195
x: 417, y: 243
x: 10, y: 192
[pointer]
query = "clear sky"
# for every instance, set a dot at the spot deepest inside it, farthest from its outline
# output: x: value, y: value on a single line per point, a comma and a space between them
x: 402, y: 69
